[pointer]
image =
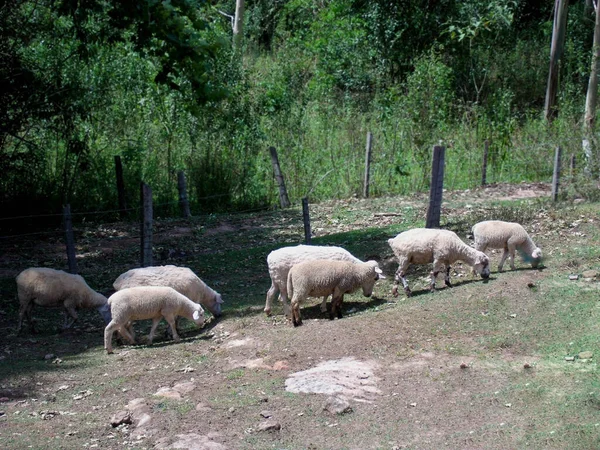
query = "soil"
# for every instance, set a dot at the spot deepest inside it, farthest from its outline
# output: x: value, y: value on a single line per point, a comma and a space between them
x: 417, y: 372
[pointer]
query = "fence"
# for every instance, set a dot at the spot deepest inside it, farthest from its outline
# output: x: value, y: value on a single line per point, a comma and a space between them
x: 298, y: 220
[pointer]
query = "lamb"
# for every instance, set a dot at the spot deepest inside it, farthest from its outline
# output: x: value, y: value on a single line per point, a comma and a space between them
x: 281, y: 261
x: 182, y: 279
x: 148, y: 302
x: 442, y: 247
x: 510, y: 236
x: 329, y: 277
x: 55, y: 288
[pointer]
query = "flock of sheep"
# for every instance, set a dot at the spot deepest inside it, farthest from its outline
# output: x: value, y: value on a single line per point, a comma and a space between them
x: 296, y: 273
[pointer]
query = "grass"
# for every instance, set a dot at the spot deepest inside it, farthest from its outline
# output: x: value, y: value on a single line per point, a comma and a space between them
x: 533, y: 317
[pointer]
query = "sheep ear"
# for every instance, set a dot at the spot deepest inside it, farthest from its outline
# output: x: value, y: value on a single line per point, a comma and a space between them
x: 378, y: 270
x: 219, y: 299
x: 196, y: 315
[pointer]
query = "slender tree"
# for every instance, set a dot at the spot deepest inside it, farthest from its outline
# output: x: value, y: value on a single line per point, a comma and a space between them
x: 558, y: 40
x: 591, y: 97
x: 238, y: 24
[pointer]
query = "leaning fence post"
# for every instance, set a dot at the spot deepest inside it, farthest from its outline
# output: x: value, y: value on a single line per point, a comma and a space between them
x: 486, y: 147
x: 572, y: 163
x: 146, y: 225
x: 284, y: 201
x: 184, y: 204
x: 69, y: 239
x: 306, y: 219
x: 436, y: 188
x: 556, y: 174
x: 368, y: 164
x: 120, y: 186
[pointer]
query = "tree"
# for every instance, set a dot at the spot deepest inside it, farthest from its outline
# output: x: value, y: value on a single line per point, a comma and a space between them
x: 558, y: 39
x: 592, y: 93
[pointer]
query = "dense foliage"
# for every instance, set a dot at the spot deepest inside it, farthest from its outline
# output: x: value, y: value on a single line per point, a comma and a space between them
x: 158, y: 83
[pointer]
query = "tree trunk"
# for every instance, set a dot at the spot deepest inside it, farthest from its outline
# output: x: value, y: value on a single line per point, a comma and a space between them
x: 558, y: 39
x: 592, y: 91
x: 591, y: 99
x: 238, y: 24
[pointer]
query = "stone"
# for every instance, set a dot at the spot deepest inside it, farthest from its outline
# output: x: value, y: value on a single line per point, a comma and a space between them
x: 120, y: 418
x: 266, y: 414
x: 281, y: 365
x: 592, y: 274
x: 185, y: 387
x: 585, y: 355
x: 140, y: 411
x: 49, y: 356
x: 190, y: 441
x: 569, y: 358
x: 573, y: 277
x: 203, y: 407
x: 168, y: 393
x: 269, y: 425
x: 337, y: 405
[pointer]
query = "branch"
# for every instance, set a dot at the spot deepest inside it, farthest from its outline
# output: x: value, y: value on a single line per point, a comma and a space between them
x: 228, y: 15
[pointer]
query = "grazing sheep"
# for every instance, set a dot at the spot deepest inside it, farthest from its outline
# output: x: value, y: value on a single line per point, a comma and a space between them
x: 281, y: 261
x: 55, y: 288
x: 329, y: 277
x: 148, y: 302
x: 182, y: 279
x: 510, y: 236
x: 442, y: 247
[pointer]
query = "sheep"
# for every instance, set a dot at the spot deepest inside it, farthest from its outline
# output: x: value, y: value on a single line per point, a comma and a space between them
x: 182, y: 279
x: 281, y: 261
x: 148, y: 302
x: 55, y: 288
x: 329, y: 277
x: 442, y: 247
x: 510, y: 236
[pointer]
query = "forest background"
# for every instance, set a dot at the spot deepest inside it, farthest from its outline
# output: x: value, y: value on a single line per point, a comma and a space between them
x: 165, y: 86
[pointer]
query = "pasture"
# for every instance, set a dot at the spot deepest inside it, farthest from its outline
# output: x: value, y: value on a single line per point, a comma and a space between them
x: 507, y: 363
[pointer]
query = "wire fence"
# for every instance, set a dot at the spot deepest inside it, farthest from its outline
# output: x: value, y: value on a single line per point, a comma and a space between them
x: 267, y: 227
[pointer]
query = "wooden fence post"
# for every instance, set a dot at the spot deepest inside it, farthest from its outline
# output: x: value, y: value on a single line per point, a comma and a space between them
x: 184, y: 204
x: 486, y: 147
x: 284, y: 201
x: 306, y: 219
x: 572, y: 163
x: 120, y: 186
x: 368, y: 164
x: 437, y: 186
x: 556, y: 174
x: 69, y: 239
x: 146, y: 225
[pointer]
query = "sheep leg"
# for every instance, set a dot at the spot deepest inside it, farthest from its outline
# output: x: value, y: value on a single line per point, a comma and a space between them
x: 434, y: 273
x: 335, y: 307
x: 125, y: 332
x: 69, y: 311
x: 25, y: 312
x: 324, y: 304
x: 171, y: 321
x: 447, y: 278
x: 155, y: 322
x: 271, y: 293
x: 284, y: 303
x: 339, y: 304
x: 296, y: 318
x: 108, y: 334
x: 400, y: 277
x: 511, y: 252
x: 503, y: 259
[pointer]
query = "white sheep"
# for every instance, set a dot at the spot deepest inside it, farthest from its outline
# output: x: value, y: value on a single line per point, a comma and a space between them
x: 182, y: 279
x: 282, y: 260
x: 440, y: 247
x: 148, y: 302
x: 55, y: 288
x: 329, y: 277
x: 510, y: 236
